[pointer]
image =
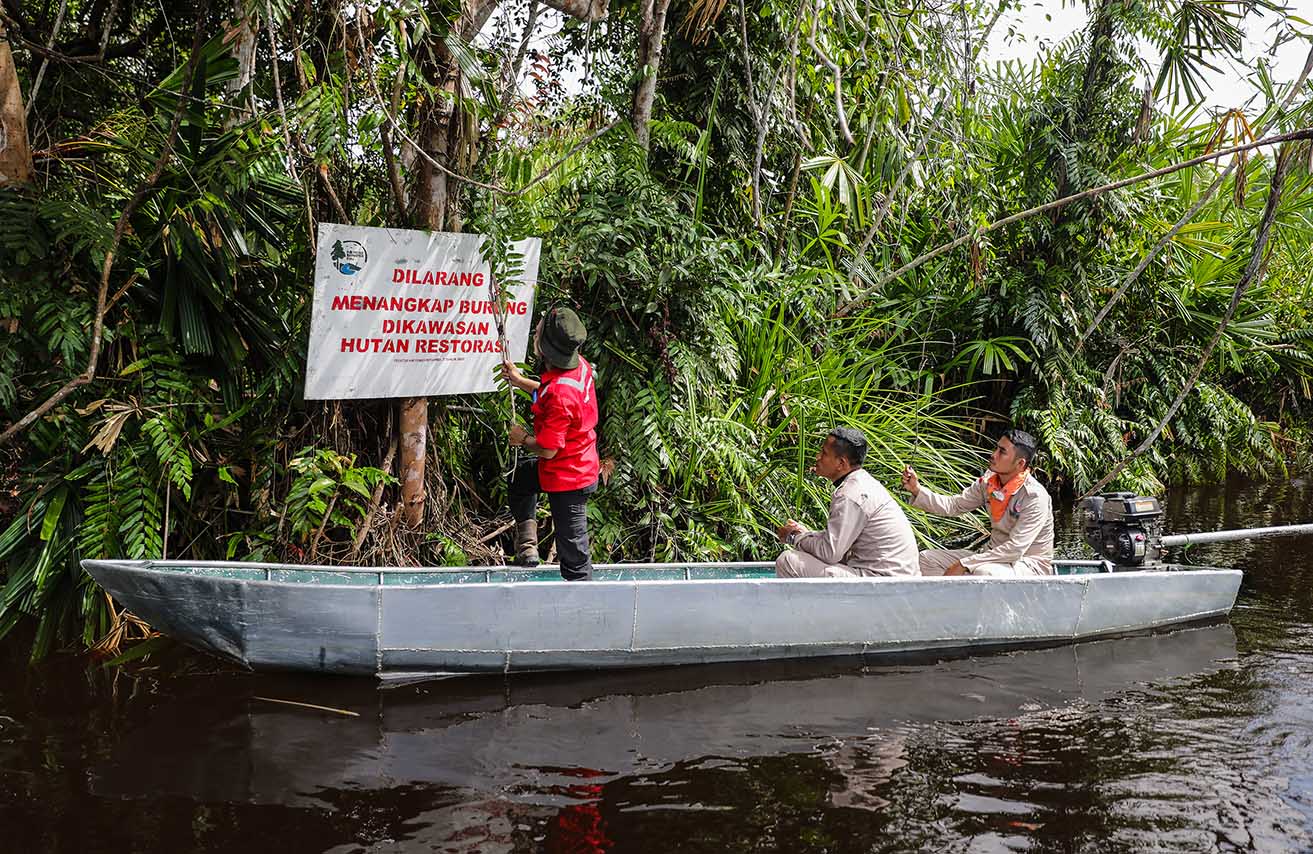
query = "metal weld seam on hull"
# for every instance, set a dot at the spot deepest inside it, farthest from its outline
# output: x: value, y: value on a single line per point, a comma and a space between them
x: 1080, y: 613
x: 633, y: 632
x: 378, y: 630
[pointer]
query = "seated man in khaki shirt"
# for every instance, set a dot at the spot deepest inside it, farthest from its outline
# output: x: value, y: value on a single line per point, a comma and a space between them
x: 868, y: 533
x: 1020, y: 512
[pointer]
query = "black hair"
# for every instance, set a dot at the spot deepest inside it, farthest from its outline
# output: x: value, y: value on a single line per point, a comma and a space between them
x: 849, y: 444
x: 1023, y: 442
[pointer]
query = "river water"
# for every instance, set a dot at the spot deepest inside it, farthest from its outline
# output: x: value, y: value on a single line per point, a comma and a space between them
x: 1192, y: 740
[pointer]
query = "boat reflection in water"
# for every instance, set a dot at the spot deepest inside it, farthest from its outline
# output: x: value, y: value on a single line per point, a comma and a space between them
x: 532, y: 738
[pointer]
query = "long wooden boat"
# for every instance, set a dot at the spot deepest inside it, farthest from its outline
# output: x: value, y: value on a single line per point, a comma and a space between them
x: 391, y: 622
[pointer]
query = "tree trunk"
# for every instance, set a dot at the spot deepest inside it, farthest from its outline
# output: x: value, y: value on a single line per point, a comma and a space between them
x: 15, y: 153
x: 442, y: 131
x: 432, y: 187
x: 241, y: 39
x: 431, y: 208
x: 651, y: 35
x: 414, y: 448
x: 439, y: 137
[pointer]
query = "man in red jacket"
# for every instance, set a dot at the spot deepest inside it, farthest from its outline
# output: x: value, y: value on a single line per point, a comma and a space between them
x: 563, y: 444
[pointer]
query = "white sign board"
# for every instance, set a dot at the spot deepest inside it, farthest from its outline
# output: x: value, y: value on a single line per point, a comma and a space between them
x: 401, y: 313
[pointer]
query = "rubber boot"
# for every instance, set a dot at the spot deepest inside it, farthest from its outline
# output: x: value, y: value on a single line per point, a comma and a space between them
x: 526, y: 543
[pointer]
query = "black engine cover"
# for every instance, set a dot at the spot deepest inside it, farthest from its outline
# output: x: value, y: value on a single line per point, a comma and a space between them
x: 1124, y: 528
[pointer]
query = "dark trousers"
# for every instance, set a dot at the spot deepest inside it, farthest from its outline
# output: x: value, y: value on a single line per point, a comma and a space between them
x: 569, y: 518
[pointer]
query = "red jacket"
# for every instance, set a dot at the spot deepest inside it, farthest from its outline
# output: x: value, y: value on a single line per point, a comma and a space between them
x: 565, y: 420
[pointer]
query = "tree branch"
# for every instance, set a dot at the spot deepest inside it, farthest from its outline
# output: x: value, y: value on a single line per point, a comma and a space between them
x: 85, y: 51
x: 758, y: 118
x: 1185, y: 220
x: 1253, y: 270
x: 522, y: 51
x: 493, y: 188
x: 847, y: 308
x: 385, y: 132
x: 838, y: 80
x: 376, y: 499
x: 108, y: 27
x: 321, y: 171
x: 45, y: 63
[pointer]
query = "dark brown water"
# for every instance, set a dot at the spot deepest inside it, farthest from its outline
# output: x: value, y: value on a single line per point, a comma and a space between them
x: 1194, y: 740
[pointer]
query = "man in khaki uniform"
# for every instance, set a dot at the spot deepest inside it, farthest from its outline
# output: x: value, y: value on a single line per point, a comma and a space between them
x: 867, y: 534
x: 1020, y: 512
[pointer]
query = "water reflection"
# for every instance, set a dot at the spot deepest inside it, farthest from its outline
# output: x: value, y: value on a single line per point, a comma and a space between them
x: 560, y: 742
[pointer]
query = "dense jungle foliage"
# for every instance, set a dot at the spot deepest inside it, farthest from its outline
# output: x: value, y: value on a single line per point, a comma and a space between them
x: 722, y: 190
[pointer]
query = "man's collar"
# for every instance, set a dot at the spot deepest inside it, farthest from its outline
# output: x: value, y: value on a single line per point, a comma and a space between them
x: 1014, y: 482
x: 838, y: 483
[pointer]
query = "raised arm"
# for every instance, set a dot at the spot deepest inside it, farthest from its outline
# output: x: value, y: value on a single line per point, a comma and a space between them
x: 973, y: 497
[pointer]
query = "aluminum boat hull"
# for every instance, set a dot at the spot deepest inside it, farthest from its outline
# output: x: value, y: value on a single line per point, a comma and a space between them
x: 390, y: 622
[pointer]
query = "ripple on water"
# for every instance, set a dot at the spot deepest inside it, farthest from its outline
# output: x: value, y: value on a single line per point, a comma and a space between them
x: 984, y: 805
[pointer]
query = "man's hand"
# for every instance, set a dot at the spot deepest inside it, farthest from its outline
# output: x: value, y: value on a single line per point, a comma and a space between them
x: 518, y: 434
x: 956, y: 569
x: 910, y: 482
x: 512, y: 374
x: 790, y: 527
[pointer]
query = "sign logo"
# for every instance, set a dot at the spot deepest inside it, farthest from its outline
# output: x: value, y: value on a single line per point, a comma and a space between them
x: 349, y: 256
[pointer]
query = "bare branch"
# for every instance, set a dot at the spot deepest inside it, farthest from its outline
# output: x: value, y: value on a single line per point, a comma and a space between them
x: 321, y: 171
x: 45, y: 63
x: 376, y: 499
x: 758, y: 117
x: 1185, y: 220
x: 85, y: 51
x: 1056, y: 204
x: 510, y: 194
x: 838, y: 80
x: 385, y: 132
x: 110, y: 17
x: 1253, y: 271
x: 523, y: 50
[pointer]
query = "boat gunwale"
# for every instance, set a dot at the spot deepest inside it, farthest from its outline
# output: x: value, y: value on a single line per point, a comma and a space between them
x: 375, y: 570
x: 164, y: 568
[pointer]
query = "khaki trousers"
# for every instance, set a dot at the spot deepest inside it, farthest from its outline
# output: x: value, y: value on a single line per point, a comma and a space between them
x: 936, y: 561
x: 798, y: 564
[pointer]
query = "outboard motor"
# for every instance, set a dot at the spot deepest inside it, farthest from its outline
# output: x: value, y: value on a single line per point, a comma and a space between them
x: 1124, y: 528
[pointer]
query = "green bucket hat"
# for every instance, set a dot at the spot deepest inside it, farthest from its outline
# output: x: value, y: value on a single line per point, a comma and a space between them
x: 563, y: 334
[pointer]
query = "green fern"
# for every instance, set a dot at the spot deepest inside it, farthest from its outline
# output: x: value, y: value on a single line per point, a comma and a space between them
x: 171, y: 454
x: 136, y: 486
